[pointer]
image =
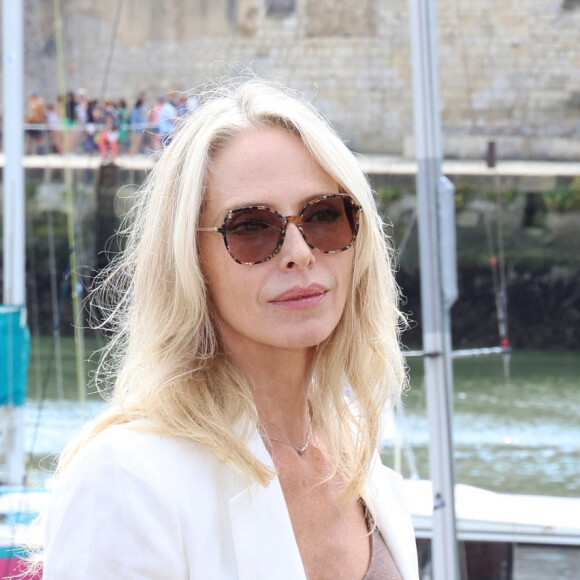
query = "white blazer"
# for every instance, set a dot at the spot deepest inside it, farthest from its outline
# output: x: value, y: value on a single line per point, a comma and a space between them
x: 137, y: 506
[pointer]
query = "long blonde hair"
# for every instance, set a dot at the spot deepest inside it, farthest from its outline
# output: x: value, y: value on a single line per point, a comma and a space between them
x: 165, y: 361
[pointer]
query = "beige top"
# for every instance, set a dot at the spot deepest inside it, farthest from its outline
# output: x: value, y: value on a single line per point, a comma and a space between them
x: 382, y: 566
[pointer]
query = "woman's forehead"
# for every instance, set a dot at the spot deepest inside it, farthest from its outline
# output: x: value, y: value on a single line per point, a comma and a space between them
x: 268, y: 166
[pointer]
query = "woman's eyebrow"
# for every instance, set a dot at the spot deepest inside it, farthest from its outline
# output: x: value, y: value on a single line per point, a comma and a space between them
x: 261, y: 202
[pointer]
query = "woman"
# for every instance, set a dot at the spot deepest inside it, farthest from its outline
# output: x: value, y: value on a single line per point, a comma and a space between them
x: 108, y: 141
x: 138, y: 121
x: 255, y: 291
x: 70, y: 121
x: 123, y: 114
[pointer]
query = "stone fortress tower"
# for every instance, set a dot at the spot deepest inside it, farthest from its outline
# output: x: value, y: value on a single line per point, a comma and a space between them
x: 509, y: 71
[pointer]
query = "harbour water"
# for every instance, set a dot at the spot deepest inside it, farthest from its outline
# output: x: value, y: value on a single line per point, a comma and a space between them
x: 517, y: 435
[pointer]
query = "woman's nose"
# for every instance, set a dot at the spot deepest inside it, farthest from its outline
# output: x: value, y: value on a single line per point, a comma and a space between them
x: 295, y: 252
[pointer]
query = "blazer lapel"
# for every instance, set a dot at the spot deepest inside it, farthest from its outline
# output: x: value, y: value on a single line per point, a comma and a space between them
x: 263, y: 537
x: 264, y: 540
x: 393, y: 519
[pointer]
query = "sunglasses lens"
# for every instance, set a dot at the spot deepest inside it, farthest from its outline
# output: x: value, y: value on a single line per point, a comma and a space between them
x: 253, y: 235
x: 330, y: 224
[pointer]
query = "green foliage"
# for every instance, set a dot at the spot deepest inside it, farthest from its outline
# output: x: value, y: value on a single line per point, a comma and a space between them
x: 507, y: 195
x: 538, y: 220
x: 463, y: 192
x: 387, y: 194
x: 40, y: 225
x: 30, y: 189
x: 564, y: 197
x: 510, y: 194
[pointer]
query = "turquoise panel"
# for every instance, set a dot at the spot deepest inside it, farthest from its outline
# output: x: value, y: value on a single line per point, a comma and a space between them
x: 14, y: 355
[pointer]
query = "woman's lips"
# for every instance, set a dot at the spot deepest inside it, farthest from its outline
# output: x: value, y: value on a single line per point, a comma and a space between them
x: 301, y: 297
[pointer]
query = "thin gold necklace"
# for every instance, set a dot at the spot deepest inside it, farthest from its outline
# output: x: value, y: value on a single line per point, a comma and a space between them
x: 299, y: 450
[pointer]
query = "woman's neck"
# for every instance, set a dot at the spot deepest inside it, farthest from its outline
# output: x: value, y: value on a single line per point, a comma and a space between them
x: 279, y: 380
x: 283, y: 410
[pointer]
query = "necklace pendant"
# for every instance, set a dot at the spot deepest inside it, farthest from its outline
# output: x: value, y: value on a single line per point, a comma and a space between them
x: 299, y: 450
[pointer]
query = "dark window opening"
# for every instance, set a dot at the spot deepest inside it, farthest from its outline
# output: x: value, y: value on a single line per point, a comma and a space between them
x: 534, y: 211
x: 280, y: 6
x: 478, y: 560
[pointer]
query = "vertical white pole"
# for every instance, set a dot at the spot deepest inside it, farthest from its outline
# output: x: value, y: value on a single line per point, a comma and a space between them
x: 14, y: 259
x: 437, y: 291
x: 14, y: 292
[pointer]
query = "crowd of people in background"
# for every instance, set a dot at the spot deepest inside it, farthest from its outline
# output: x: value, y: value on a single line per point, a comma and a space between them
x: 76, y: 123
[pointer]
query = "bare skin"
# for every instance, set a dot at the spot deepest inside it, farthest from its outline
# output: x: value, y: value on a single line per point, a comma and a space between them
x: 273, y: 345
x: 333, y: 540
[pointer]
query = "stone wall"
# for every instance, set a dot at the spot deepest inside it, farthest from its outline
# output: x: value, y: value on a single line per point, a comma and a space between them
x: 509, y: 71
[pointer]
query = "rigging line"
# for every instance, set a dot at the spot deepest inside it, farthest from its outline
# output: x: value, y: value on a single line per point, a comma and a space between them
x: 31, y: 280
x: 113, y: 40
x: 407, y: 234
x: 55, y: 352
x: 53, y: 295
x: 501, y: 258
x: 465, y: 61
x: 502, y: 296
x: 48, y: 369
x: 492, y: 256
x: 496, y: 262
x: 79, y: 342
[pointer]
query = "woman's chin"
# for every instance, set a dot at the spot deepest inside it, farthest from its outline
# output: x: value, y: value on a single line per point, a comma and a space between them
x: 306, y: 338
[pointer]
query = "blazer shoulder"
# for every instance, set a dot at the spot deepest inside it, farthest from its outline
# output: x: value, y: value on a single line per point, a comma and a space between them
x: 135, y: 451
x: 104, y: 507
x: 382, y: 475
x: 130, y: 443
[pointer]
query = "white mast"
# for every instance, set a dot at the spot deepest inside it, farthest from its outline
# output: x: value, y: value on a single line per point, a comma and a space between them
x: 438, y: 283
x: 14, y: 293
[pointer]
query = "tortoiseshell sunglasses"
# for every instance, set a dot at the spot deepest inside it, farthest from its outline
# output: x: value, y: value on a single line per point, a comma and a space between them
x: 254, y: 234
